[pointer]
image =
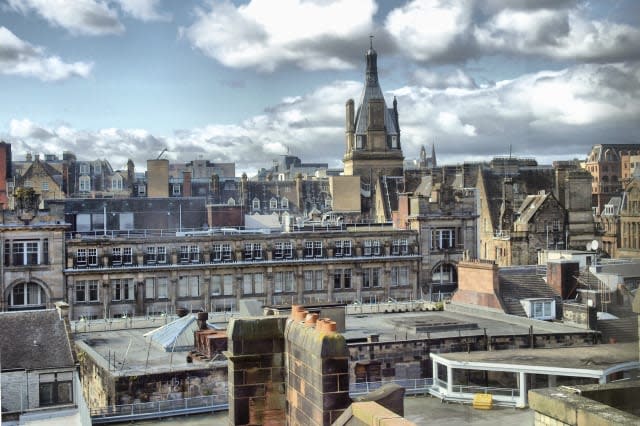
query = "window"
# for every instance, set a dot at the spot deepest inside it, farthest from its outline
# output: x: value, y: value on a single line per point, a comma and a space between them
x: 255, y: 204
x: 85, y: 184
x: 190, y: 254
x: 273, y: 203
x: 87, y: 291
x: 370, y: 277
x: 116, y: 256
x: 342, y: 278
x: 81, y: 257
x: 27, y: 295
x: 228, y: 285
x: 371, y: 248
x: 399, y: 247
x: 343, y: 248
x: 313, y: 280
x: 175, y: 189
x: 399, y: 276
x: 162, y: 288
x: 116, y: 183
x: 216, y: 285
x: 222, y: 252
x: 313, y: 249
x: 284, y: 282
x: 45, y: 186
x: 543, y: 309
x: 84, y: 169
x: 231, y: 202
x: 55, y: 388
x: 189, y: 286
x: 127, y: 256
x: 252, y: 284
x: 443, y: 239
x: 443, y: 273
x: 92, y: 256
x: 149, y: 288
x: 122, y: 289
x: 26, y: 252
x: 284, y: 202
x: 97, y: 168
x: 283, y: 250
x: 252, y: 251
x: 151, y: 256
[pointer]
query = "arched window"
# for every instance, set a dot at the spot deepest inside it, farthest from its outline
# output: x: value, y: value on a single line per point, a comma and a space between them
x: 444, y: 273
x: 26, y: 296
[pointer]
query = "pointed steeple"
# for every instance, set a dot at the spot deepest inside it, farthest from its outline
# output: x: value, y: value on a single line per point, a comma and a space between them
x: 372, y: 65
x: 433, y: 155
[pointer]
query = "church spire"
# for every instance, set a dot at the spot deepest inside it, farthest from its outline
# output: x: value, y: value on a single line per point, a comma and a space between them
x: 372, y: 65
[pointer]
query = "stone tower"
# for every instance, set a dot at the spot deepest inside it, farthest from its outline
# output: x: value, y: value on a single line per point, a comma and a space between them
x: 372, y: 131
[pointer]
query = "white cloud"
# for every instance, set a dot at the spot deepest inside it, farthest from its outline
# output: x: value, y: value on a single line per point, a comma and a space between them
x: 560, y: 114
x: 17, y: 57
x: 84, y: 17
x: 456, y: 78
x: 432, y: 29
x: 441, y: 31
x: 310, y: 34
x: 144, y: 10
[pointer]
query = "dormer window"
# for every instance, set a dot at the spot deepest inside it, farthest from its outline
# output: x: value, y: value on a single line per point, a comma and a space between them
x: 255, y: 204
x: 273, y: 203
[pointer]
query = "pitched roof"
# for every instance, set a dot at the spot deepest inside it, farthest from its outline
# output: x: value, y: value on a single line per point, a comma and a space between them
x: 34, y: 340
x: 521, y: 283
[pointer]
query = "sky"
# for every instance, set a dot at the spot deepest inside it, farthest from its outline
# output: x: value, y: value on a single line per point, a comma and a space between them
x: 248, y: 81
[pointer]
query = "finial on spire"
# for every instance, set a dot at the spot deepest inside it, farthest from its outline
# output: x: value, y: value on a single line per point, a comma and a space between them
x: 371, y: 41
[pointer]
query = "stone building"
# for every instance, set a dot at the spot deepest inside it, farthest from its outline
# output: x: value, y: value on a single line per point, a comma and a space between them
x: 33, y: 260
x: 138, y: 273
x: 373, y: 147
x: 40, y: 382
x: 445, y: 220
x: 605, y: 164
x: 46, y: 181
x: 630, y: 221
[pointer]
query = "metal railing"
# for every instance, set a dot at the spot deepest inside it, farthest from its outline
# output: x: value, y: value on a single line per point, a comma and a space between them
x: 411, y: 386
x: 219, y: 402
x: 164, y: 408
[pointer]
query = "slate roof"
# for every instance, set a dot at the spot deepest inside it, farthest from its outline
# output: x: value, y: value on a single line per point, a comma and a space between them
x: 34, y: 340
x: 528, y: 182
x: 521, y: 283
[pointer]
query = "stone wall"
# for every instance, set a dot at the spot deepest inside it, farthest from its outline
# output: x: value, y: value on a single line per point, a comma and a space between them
x: 580, y: 315
x: 256, y: 371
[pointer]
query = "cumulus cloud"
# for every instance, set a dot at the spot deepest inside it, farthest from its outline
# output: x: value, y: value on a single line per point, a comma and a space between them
x: 144, y: 10
x: 438, y: 31
x: 82, y: 17
x: 549, y: 114
x: 18, y: 57
x: 309, y: 34
x: 558, y: 113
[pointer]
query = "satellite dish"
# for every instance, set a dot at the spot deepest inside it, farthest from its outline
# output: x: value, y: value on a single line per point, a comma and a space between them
x: 594, y: 245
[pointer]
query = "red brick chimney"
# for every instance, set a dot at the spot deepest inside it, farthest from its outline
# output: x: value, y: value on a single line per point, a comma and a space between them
x: 478, y: 284
x: 186, y: 183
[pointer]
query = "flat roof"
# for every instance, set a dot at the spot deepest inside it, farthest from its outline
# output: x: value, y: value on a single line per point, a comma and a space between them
x: 445, y: 324
x: 593, y: 360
